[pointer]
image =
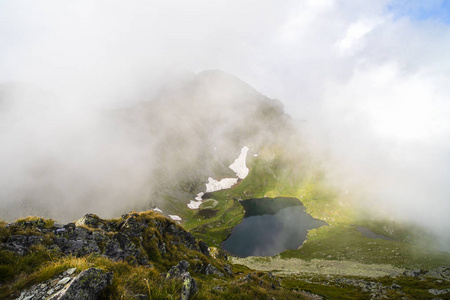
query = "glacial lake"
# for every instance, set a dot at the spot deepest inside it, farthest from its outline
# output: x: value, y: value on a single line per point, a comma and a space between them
x: 270, y: 226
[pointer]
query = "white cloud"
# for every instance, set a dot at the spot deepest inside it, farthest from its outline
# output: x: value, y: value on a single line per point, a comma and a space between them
x: 370, y: 82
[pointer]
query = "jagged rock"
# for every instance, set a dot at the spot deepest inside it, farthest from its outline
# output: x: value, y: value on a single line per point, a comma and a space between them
x: 80, y: 233
x: 76, y: 247
x: 113, y: 250
x: 414, y: 273
x: 209, y: 269
x: 437, y: 292
x: 117, y: 239
x: 247, y: 277
x: 86, y: 286
x: 70, y: 227
x: 441, y: 272
x: 181, y: 236
x: 21, y: 243
x: 38, y: 223
x: 162, y: 248
x: 178, y: 270
x: 50, y: 288
x: 204, y: 248
x: 227, y: 269
x: 132, y: 228
x: 99, y: 236
x: 189, y: 284
x: 395, y: 286
x: 58, y: 225
x: 90, y: 220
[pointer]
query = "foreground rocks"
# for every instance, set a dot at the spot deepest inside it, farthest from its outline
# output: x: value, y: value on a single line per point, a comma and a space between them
x: 139, y: 239
x: 68, y: 286
x: 133, y: 238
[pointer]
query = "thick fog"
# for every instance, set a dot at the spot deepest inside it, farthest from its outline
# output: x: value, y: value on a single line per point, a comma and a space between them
x: 366, y: 81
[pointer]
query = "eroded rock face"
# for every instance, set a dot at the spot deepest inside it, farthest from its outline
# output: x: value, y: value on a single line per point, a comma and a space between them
x: 70, y: 286
x: 86, y: 286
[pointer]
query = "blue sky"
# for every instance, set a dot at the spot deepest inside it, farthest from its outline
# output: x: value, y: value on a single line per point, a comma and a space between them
x: 437, y: 10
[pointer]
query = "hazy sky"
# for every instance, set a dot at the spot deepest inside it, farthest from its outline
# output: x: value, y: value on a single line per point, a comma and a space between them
x: 368, y: 81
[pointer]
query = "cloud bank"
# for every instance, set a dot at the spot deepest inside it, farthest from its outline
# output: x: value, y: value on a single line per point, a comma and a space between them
x: 368, y: 83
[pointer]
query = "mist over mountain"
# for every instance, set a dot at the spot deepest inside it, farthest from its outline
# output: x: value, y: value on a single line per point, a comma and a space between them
x: 63, y: 163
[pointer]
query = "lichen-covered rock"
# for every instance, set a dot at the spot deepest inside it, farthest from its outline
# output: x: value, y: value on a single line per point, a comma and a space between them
x: 21, y: 243
x: 86, y: 286
x: 180, y: 271
x: 135, y: 238
x: 132, y: 228
x: 90, y: 220
x: 414, y: 273
x: 50, y: 288
x: 209, y: 269
x: 441, y: 272
x: 227, y: 269
x: 189, y: 287
x: 437, y: 292
x: 77, y: 247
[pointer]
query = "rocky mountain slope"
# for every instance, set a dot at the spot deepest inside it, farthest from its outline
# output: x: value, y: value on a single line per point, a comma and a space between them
x: 147, y: 256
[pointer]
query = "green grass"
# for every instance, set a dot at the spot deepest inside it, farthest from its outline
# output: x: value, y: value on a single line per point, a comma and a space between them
x: 344, y: 242
x: 326, y: 291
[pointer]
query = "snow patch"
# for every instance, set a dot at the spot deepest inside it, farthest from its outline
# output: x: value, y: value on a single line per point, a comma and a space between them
x: 214, y: 185
x: 239, y: 166
x: 194, y: 204
x: 199, y: 196
x: 157, y: 209
x: 175, y: 217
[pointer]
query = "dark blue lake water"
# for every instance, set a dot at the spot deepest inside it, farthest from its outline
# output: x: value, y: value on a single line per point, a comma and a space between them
x: 277, y: 225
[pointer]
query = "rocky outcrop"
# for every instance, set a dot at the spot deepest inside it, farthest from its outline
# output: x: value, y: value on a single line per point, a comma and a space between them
x: 136, y: 238
x: 209, y: 269
x: 68, y: 286
x: 21, y: 243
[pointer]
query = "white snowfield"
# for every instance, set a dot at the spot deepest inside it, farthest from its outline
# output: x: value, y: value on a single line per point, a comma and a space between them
x: 239, y: 166
x: 214, y: 185
x: 175, y: 217
x: 157, y: 209
x: 194, y: 204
